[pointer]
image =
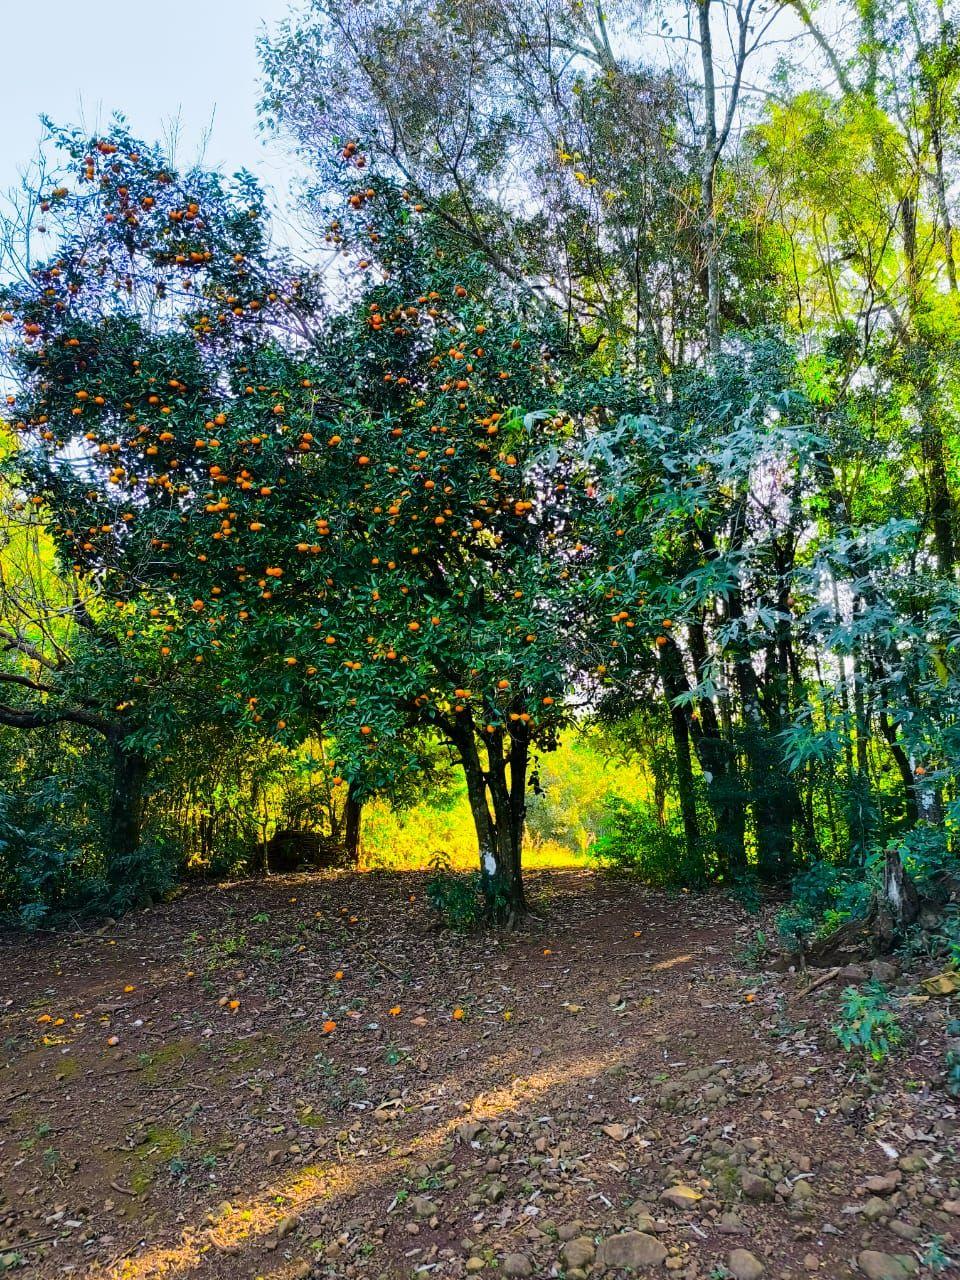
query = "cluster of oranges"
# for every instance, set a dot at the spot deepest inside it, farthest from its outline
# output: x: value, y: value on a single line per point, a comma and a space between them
x: 427, y: 466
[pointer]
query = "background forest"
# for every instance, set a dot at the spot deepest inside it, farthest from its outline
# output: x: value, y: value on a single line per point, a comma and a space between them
x: 580, y: 477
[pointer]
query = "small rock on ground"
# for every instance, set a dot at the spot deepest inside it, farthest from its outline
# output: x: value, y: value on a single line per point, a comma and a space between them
x: 756, y: 1187
x: 579, y: 1252
x: 885, y: 1266
x: 633, y: 1251
x: 744, y: 1265
x: 517, y: 1264
x: 680, y: 1197
x: 423, y: 1207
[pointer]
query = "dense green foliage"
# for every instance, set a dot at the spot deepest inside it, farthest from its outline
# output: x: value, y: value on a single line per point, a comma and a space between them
x: 868, y: 1025
x: 589, y: 415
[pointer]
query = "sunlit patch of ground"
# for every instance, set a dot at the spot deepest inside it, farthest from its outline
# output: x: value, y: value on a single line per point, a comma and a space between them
x: 239, y: 1224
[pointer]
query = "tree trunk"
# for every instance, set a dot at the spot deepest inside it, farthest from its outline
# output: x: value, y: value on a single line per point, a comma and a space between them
x: 519, y: 761
x: 498, y: 811
x: 773, y: 790
x: 940, y: 184
x: 686, y: 792
x: 352, y: 816
x: 899, y: 891
x: 708, y: 169
x: 124, y: 818
x: 942, y: 511
x: 902, y: 761
x: 719, y: 766
x: 940, y: 497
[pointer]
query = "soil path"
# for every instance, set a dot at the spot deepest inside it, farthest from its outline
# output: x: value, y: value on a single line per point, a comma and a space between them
x: 175, y: 1099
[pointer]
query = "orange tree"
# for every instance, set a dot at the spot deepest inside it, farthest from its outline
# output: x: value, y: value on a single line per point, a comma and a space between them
x: 383, y: 519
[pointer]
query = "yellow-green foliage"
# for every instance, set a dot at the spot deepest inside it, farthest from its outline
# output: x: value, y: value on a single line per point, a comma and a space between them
x: 562, y: 821
x: 410, y: 838
x: 574, y: 784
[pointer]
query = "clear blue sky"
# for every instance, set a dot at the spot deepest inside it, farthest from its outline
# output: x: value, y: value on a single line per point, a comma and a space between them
x: 80, y: 60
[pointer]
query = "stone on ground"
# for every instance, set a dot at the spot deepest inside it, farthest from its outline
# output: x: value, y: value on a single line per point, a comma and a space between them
x: 632, y: 1251
x: 744, y: 1265
x: 579, y: 1252
x: 885, y: 1266
x: 681, y: 1197
x: 517, y: 1264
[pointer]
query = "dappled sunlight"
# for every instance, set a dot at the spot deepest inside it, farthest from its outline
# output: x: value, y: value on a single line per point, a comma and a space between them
x: 431, y: 1143
x: 246, y: 1222
x: 672, y: 962
x: 233, y: 1226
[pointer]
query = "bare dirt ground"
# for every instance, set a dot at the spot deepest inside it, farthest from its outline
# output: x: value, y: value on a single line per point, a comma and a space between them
x: 613, y: 1088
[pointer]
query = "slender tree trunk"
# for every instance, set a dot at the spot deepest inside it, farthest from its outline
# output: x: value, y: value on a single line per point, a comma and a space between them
x: 519, y: 762
x: 942, y: 507
x: 860, y: 716
x: 773, y: 791
x: 810, y: 824
x: 508, y: 797
x: 943, y: 207
x: 352, y: 818
x: 715, y: 754
x: 773, y: 827
x: 780, y: 699
x: 901, y: 760
x: 708, y: 170
x: 843, y: 684
x: 124, y: 818
x: 686, y: 792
